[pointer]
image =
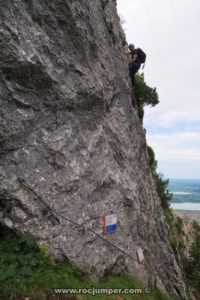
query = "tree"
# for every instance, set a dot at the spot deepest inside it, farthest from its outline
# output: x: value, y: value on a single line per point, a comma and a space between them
x: 161, y: 183
x: 162, y: 190
x: 145, y: 95
x: 192, y: 263
x: 152, y: 161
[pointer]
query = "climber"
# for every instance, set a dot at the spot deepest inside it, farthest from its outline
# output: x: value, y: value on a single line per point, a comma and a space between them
x: 137, y: 58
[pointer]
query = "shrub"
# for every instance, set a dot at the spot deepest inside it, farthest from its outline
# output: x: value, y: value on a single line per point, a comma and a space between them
x: 192, y: 263
x: 145, y: 94
x: 27, y: 270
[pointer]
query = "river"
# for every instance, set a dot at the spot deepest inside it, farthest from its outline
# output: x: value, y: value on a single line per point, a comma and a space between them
x: 186, y: 206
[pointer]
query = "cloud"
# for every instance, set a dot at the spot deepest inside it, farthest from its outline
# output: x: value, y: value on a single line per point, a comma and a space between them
x: 173, y: 118
x: 179, y: 169
x: 176, y: 147
x: 175, y: 139
x: 168, y: 31
x: 171, y: 41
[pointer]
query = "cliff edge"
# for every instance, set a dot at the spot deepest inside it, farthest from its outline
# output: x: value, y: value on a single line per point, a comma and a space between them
x: 71, y: 141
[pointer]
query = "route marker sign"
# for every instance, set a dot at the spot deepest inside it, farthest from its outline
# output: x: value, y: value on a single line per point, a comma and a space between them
x: 109, y: 223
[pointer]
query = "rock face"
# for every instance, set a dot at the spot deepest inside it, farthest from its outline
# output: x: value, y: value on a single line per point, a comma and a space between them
x: 72, y: 142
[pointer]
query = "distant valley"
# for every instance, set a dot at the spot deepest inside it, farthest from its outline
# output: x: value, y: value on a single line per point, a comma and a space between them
x: 185, y: 190
x: 186, y: 197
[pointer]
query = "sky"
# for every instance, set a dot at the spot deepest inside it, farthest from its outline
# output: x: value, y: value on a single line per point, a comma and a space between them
x: 169, y: 33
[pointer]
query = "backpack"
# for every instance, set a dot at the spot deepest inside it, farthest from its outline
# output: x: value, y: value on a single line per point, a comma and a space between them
x: 141, y: 55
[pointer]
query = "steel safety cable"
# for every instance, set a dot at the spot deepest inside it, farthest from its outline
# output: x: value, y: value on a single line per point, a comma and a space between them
x: 28, y: 186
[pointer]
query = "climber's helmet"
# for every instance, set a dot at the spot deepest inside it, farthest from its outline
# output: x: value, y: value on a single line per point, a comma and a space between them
x: 131, y: 47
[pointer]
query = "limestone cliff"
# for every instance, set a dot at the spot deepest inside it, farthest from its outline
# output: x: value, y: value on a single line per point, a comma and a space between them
x: 69, y: 131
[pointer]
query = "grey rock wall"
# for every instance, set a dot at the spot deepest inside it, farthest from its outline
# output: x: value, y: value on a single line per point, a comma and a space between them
x: 68, y: 128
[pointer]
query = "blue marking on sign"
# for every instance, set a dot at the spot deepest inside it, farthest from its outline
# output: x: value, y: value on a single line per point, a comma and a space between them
x: 111, y: 228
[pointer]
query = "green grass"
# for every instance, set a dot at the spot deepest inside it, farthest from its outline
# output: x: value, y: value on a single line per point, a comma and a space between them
x: 27, y: 270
